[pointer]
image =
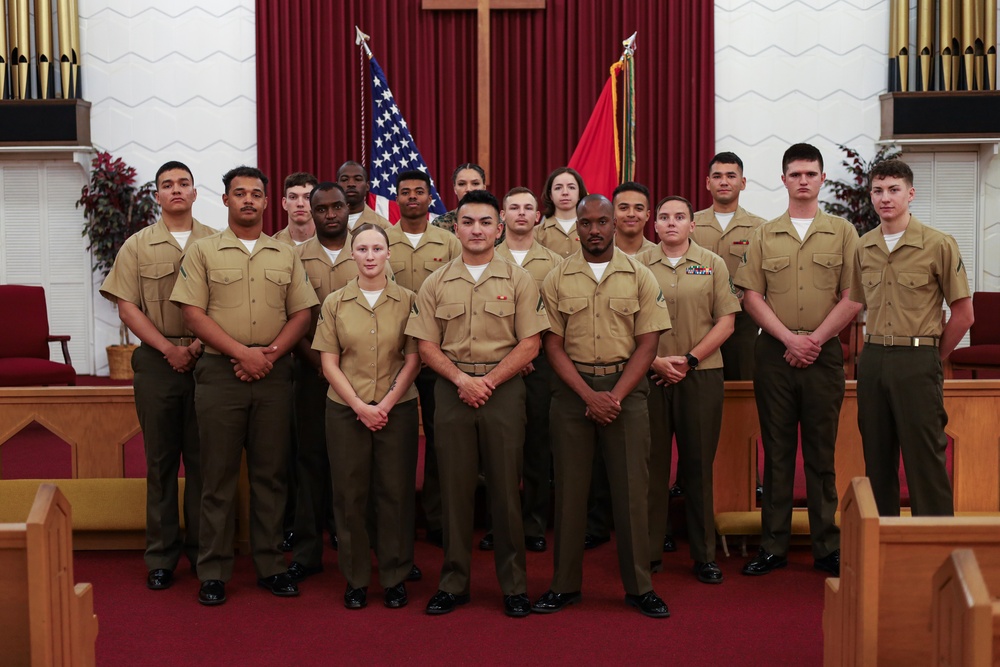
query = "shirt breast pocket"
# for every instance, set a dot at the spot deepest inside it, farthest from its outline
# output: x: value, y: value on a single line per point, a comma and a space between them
x: 276, y: 286
x: 871, y: 281
x: 575, y: 312
x: 915, y: 290
x: 226, y: 287
x: 451, y: 316
x: 826, y: 270
x: 777, y: 274
x: 157, y: 281
x: 623, y: 312
x: 430, y: 266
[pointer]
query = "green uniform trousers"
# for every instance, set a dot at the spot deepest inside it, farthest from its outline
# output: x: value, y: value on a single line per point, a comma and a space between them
x: 537, y: 473
x: 790, y: 401
x: 379, y: 469
x: 490, y: 437
x: 313, y: 495
x: 901, y: 408
x: 691, y: 410
x: 233, y: 416
x: 430, y: 494
x: 164, y: 403
x: 738, y: 350
x: 625, y: 446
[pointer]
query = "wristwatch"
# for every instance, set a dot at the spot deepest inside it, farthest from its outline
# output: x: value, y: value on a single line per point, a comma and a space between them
x: 692, y: 360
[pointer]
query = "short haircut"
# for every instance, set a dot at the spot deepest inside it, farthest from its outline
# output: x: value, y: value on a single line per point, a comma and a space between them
x: 413, y: 175
x: 245, y: 172
x: 806, y: 152
x: 352, y: 163
x: 519, y: 190
x: 168, y: 166
x: 675, y: 198
x: 468, y: 165
x: 365, y: 227
x: 725, y: 157
x: 548, y: 206
x: 631, y: 186
x: 298, y: 179
x: 892, y: 168
x: 326, y: 186
x: 480, y: 197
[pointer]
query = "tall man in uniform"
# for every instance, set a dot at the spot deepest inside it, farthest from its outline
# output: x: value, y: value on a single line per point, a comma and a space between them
x: 607, y: 314
x: 418, y: 249
x: 352, y: 177
x: 725, y: 229
x: 796, y: 275
x: 140, y: 282
x: 903, y: 271
x: 478, y: 322
x: 295, y: 202
x: 248, y: 299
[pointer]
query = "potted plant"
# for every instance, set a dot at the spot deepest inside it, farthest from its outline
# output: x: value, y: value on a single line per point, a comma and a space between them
x: 114, y: 209
x: 851, y: 197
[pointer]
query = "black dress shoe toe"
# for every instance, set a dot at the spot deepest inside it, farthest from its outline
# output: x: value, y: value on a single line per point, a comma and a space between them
x: 443, y: 603
x: 159, y: 579
x: 829, y: 563
x: 516, y: 606
x: 212, y: 592
x: 669, y: 546
x: 592, y: 541
x: 334, y: 542
x: 395, y: 596
x: 281, y: 585
x: 288, y: 543
x: 357, y: 598
x: 551, y: 602
x: 763, y: 563
x: 708, y: 573
x: 648, y: 604
x: 415, y: 574
x: 536, y: 544
x: 298, y: 572
x: 676, y: 491
x: 435, y: 537
x: 486, y: 544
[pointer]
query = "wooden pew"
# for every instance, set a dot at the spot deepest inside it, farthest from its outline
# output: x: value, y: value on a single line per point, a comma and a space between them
x: 965, y: 617
x: 44, y: 619
x: 878, y: 612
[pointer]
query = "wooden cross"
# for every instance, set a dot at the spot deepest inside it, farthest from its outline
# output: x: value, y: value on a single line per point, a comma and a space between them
x: 483, y: 8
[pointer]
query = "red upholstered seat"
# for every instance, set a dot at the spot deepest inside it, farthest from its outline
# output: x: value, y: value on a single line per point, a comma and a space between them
x: 983, y: 352
x: 977, y: 355
x: 24, y: 341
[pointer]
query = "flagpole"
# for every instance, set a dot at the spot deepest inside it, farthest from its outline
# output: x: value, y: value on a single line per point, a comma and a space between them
x: 361, y: 39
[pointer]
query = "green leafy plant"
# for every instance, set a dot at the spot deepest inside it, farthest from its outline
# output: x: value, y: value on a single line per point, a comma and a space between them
x: 114, y: 209
x: 851, y: 196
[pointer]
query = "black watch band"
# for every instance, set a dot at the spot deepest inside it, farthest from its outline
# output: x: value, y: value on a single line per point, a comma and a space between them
x: 692, y: 360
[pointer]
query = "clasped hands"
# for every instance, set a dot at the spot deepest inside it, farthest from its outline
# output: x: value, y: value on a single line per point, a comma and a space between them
x: 182, y: 358
x: 801, y: 351
x: 255, y: 363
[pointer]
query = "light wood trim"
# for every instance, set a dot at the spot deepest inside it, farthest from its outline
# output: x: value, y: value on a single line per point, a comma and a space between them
x: 962, y: 613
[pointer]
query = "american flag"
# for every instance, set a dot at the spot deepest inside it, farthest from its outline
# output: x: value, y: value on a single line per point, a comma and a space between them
x: 392, y: 150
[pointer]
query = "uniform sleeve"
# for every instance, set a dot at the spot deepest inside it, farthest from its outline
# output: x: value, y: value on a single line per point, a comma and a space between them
x: 529, y: 308
x: 725, y: 301
x: 851, y: 244
x: 422, y: 324
x: 300, y: 294
x: 550, y: 299
x: 857, y: 284
x: 122, y: 281
x: 326, y: 339
x: 410, y: 344
x: 191, y: 288
x: 653, y: 314
x: 954, y: 281
x: 750, y: 275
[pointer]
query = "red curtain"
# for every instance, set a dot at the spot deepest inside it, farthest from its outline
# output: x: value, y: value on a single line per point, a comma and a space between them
x: 548, y: 66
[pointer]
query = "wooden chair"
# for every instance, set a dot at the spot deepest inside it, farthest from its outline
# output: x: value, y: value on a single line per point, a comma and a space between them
x: 24, y: 341
x: 983, y: 352
x: 965, y: 617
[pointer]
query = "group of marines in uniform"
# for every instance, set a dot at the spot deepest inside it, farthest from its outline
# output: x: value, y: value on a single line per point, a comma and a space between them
x: 543, y: 342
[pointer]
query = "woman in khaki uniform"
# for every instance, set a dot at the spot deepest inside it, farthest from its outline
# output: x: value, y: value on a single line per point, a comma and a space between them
x: 564, y: 188
x: 371, y: 419
x: 687, y: 386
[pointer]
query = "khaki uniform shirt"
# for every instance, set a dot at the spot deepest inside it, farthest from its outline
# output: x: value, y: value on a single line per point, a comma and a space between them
x: 478, y: 322
x: 801, y: 281
x: 646, y: 245
x: 904, y: 289
x: 599, y: 321
x: 730, y: 244
x: 370, y: 341
x: 698, y: 292
x: 538, y: 262
x: 285, y: 236
x: 145, y: 271
x: 249, y: 295
x: 551, y: 235
x: 412, y: 266
x: 369, y: 215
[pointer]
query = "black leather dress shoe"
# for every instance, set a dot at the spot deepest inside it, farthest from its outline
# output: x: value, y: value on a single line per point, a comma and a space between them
x: 395, y: 596
x: 159, y: 579
x: 280, y: 585
x: 357, y: 598
x: 708, y: 573
x: 443, y: 603
x: 486, y: 544
x: 648, y: 604
x: 288, y: 543
x: 592, y: 542
x: 676, y: 491
x: 537, y: 544
x: 298, y: 572
x: 415, y: 574
x: 334, y: 542
x: 829, y: 563
x: 516, y: 606
x: 763, y: 563
x: 435, y: 537
x: 212, y: 592
x: 669, y: 546
x: 551, y: 602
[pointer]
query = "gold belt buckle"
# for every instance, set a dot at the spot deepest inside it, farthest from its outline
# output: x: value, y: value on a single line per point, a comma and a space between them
x: 886, y: 341
x: 916, y: 341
